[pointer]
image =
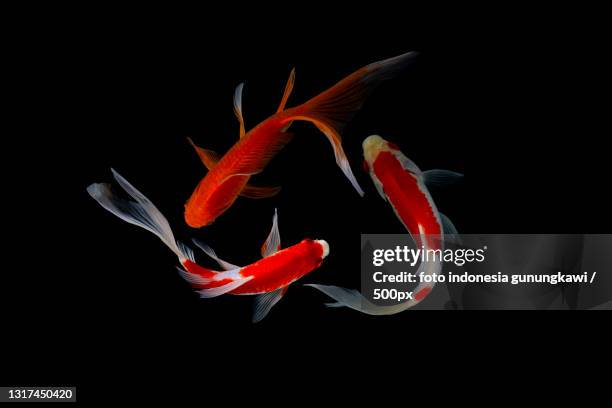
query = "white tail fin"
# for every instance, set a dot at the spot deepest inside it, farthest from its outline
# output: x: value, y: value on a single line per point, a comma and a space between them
x: 353, y: 299
x: 140, y: 212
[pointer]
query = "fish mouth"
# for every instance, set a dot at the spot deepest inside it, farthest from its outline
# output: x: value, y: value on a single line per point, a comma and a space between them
x: 324, y: 247
x: 196, y: 222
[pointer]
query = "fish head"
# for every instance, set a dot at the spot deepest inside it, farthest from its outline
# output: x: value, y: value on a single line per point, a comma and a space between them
x: 315, y: 249
x: 324, y: 247
x: 372, y: 147
x: 196, y: 218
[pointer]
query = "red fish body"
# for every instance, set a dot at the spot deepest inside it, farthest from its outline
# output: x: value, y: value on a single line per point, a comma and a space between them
x: 273, y: 272
x: 224, y: 182
x: 267, y: 278
x: 329, y: 112
x: 400, y: 182
x: 408, y: 195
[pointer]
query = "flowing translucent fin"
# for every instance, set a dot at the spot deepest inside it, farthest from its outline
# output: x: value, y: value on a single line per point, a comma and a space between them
x: 343, y: 296
x: 238, y: 108
x: 273, y: 242
x: 334, y: 138
x: 257, y: 192
x: 331, y: 110
x: 337, y: 105
x: 451, y: 235
x: 223, y: 289
x: 208, y: 157
x: 265, y: 302
x: 441, y: 178
x: 140, y: 212
x: 353, y: 299
x: 288, y: 89
x: 447, y: 225
x: 193, y: 278
x: 211, y: 253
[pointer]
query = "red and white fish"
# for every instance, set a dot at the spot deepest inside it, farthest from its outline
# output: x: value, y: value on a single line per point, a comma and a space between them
x: 228, y: 176
x: 268, y: 279
x: 400, y: 182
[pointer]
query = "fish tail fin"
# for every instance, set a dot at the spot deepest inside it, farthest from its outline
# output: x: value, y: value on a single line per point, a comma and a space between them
x: 353, y: 299
x: 331, y: 110
x: 140, y: 212
x: 209, y: 283
x: 338, y: 104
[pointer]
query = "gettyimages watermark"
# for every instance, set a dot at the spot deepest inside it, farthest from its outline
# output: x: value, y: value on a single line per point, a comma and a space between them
x: 489, y: 271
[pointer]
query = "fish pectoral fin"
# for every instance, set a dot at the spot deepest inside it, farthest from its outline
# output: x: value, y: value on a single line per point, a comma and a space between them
x: 265, y: 302
x: 238, y: 108
x: 288, y: 90
x: 231, y: 176
x: 334, y: 304
x: 273, y: 242
x: 257, y: 192
x: 441, y: 178
x: 451, y: 234
x: 226, y: 288
x: 208, y: 157
x: 447, y: 225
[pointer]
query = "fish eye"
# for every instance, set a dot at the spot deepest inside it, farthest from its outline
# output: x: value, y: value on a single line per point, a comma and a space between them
x: 392, y: 146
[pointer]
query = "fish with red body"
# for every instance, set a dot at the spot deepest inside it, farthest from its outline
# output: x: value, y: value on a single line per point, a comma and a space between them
x: 268, y: 279
x: 401, y: 183
x: 228, y: 176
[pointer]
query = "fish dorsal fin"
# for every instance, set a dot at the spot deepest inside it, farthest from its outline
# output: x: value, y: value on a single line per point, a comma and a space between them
x: 273, y: 242
x: 265, y: 302
x: 288, y: 89
x: 208, y: 157
x: 211, y: 253
x: 238, y: 107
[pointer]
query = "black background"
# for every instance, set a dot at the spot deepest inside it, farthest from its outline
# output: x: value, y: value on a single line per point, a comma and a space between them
x: 510, y: 100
